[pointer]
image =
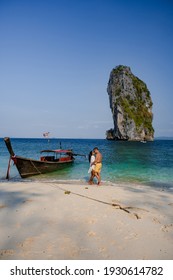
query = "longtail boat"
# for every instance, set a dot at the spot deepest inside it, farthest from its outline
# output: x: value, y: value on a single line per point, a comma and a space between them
x: 52, y: 161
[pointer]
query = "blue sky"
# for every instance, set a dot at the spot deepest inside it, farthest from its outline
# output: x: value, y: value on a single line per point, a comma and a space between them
x: 56, y: 58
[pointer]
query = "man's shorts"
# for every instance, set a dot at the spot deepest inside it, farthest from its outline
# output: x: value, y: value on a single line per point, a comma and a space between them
x: 98, y: 167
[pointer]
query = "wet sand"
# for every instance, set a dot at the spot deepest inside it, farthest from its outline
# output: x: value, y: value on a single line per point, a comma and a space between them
x: 77, y: 221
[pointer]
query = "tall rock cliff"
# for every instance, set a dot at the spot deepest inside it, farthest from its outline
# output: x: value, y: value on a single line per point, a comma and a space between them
x: 131, y: 105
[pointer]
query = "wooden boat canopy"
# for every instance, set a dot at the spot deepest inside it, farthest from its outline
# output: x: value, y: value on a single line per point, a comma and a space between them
x: 57, y: 151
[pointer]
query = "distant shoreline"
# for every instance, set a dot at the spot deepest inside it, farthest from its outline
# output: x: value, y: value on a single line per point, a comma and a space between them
x: 69, y: 138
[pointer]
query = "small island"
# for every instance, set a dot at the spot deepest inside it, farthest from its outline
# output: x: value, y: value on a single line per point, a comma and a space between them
x: 131, y: 106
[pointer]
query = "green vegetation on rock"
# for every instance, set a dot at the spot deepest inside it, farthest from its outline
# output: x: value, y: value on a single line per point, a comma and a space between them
x: 131, y: 94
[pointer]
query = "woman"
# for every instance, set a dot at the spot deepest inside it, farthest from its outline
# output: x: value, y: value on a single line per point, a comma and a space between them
x: 91, y: 158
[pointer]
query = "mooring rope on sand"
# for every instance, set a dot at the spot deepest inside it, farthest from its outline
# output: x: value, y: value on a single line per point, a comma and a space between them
x: 118, y: 206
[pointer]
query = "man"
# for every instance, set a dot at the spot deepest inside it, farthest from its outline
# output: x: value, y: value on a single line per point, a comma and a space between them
x: 98, y: 164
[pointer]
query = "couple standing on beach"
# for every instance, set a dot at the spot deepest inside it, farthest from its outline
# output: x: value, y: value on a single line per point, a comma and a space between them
x: 95, y: 159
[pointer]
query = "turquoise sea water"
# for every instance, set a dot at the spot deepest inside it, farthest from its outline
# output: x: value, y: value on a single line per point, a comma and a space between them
x: 130, y: 162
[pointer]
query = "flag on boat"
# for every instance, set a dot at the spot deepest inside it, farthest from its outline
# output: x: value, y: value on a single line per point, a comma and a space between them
x: 46, y: 134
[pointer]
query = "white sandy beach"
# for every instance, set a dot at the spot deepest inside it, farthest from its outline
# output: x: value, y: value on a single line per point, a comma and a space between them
x: 76, y: 221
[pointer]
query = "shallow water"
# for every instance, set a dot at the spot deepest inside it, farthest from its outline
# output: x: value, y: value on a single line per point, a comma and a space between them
x: 134, y: 162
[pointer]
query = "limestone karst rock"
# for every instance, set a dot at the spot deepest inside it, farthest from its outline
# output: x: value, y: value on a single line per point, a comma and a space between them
x: 131, y: 106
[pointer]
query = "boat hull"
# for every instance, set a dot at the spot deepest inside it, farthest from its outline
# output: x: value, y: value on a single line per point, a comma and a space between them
x: 29, y: 167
